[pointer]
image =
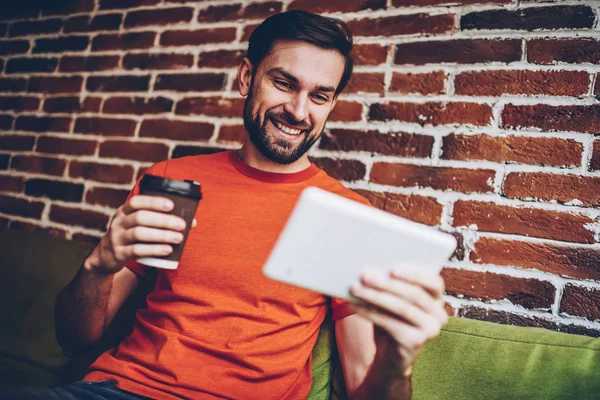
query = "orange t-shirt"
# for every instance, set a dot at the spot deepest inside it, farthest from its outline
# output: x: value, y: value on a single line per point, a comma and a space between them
x: 216, y: 327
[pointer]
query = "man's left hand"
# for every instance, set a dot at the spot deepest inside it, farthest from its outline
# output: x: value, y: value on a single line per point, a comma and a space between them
x: 407, y: 310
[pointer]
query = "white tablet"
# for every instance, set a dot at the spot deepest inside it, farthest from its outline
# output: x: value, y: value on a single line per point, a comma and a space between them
x: 329, y: 240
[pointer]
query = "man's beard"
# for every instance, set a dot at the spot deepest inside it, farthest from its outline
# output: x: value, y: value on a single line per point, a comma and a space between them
x: 272, y: 147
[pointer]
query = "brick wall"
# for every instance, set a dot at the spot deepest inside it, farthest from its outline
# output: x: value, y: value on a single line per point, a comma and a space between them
x: 477, y: 116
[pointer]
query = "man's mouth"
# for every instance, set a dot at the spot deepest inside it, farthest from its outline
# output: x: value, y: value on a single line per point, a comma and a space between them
x: 285, y: 128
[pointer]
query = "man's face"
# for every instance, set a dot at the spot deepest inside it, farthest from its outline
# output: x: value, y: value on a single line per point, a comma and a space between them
x: 290, y: 97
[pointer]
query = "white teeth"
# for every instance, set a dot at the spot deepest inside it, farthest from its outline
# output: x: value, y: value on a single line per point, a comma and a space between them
x: 286, y: 129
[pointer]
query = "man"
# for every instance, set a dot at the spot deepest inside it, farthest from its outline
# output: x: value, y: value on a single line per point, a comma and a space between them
x: 216, y: 327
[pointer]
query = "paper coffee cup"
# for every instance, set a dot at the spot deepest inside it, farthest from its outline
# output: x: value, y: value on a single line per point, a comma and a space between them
x: 185, y: 195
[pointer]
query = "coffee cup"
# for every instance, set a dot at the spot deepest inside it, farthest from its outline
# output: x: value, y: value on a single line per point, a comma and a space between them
x: 185, y: 195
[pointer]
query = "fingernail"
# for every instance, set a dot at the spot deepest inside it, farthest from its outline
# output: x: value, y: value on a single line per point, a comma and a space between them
x: 168, y: 204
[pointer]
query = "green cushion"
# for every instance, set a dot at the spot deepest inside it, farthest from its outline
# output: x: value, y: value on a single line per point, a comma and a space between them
x: 483, y: 360
x: 35, y: 267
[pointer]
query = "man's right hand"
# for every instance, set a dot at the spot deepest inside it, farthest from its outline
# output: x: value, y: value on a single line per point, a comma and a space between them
x: 140, y: 228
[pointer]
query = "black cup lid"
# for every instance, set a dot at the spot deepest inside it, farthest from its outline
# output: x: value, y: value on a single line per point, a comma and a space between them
x: 183, y: 188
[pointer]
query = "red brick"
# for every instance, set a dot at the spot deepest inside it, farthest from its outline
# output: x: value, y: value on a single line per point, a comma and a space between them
x: 3, y: 29
x: 108, y: 4
x: 531, y: 18
x: 19, y: 103
x: 597, y: 87
x: 14, y: 46
x: 213, y: 106
x: 370, y: 54
x: 86, y: 23
x: 595, y: 161
x: 4, y: 159
x: 496, y: 83
x: 24, y: 28
x: 367, y: 82
x: 24, y: 226
x: 9, y: 183
x: 439, y: 178
x: 56, y: 145
x: 574, y: 262
x: 234, y: 12
x: 40, y: 165
x: 30, y: 64
x: 21, y: 207
x: 519, y: 149
x: 67, y: 7
x: 184, y: 151
x: 105, y: 126
x: 137, y: 105
x: 134, y: 151
x: 580, y: 301
x: 123, y: 41
x: 55, y: 190
x: 13, y: 13
x: 549, y: 187
x: 88, y: 63
x: 16, y: 142
x: 461, y: 51
x: 220, y: 58
x: 13, y: 84
x: 392, y: 144
x: 490, y: 217
x: 71, y: 104
x: 46, y: 84
x: 319, y: 6
x: 6, y: 122
x: 404, y: 3
x: 346, y: 111
x: 76, y: 216
x: 61, y: 44
x: 176, y: 130
x: 247, y: 32
x: 403, y: 25
x: 232, y: 133
x: 575, y: 51
x: 190, y: 82
x: 529, y: 293
x: 197, y: 37
x: 106, y: 197
x: 427, y: 83
x: 425, y: 210
x: 158, y: 61
x: 344, y: 170
x: 552, y: 118
x: 433, y: 113
x: 122, y: 83
x: 101, y: 172
x: 43, y: 124
x: 159, y: 16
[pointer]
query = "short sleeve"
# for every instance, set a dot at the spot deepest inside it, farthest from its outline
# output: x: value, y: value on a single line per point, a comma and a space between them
x: 340, y: 308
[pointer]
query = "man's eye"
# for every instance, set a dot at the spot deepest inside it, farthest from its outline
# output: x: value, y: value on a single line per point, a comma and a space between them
x: 319, y: 98
x: 283, y: 84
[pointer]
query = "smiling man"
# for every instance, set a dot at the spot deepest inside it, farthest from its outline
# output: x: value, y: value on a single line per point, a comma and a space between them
x: 216, y: 327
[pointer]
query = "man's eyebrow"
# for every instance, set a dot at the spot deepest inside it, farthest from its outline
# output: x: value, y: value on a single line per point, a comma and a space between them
x: 293, y: 79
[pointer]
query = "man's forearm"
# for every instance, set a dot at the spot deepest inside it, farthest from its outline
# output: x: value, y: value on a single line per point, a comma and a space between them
x: 80, y: 310
x: 385, y: 380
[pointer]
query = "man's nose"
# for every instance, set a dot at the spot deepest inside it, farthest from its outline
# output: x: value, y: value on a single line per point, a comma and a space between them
x: 297, y: 107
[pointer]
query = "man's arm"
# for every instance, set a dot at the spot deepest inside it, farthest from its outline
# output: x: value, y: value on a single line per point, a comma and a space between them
x: 85, y: 308
x: 379, y: 345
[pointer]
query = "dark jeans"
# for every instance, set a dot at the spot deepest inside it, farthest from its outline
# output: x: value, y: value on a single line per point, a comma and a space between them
x: 105, y: 390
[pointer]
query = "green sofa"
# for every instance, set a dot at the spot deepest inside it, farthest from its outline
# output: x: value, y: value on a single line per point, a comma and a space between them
x: 469, y: 360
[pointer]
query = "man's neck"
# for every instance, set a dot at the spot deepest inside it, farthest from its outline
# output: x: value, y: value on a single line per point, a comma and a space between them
x: 253, y: 158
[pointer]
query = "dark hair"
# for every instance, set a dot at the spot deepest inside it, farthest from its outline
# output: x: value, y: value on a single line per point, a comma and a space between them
x: 327, y: 33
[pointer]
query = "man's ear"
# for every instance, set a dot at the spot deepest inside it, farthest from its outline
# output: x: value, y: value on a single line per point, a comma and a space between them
x: 244, y: 76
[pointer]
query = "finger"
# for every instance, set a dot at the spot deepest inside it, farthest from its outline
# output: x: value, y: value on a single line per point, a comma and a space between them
x: 145, y: 234
x: 154, y: 220
x: 138, y: 250
x: 428, y: 280
x: 408, y: 291
x: 392, y: 304
x: 194, y: 223
x: 141, y: 202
